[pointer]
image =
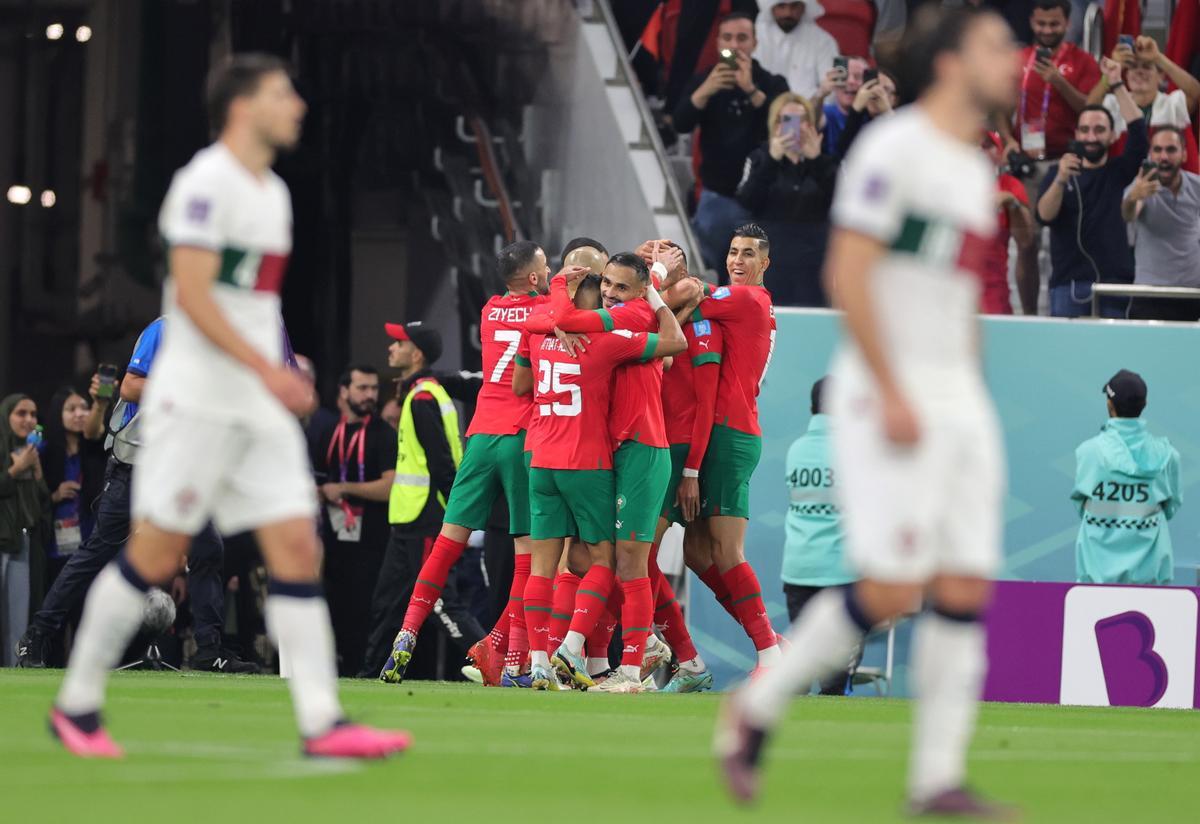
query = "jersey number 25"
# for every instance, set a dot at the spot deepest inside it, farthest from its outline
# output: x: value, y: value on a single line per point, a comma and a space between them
x: 550, y: 380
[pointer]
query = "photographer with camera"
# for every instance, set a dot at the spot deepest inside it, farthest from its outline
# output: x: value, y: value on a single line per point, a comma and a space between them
x: 1081, y: 203
x: 788, y: 189
x: 729, y: 105
x: 1163, y: 204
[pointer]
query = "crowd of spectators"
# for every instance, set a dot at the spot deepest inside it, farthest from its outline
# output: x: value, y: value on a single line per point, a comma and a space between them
x: 779, y: 97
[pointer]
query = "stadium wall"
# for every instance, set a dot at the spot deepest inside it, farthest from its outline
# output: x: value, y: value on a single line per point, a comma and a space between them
x: 1046, y: 377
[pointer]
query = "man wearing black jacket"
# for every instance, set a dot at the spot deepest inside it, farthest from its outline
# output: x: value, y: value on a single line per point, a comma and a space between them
x: 428, y: 453
x: 730, y: 107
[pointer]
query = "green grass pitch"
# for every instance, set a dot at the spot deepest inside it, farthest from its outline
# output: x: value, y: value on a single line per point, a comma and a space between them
x: 223, y: 749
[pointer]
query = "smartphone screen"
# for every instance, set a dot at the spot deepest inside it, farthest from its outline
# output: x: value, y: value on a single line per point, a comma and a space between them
x: 108, y: 380
x: 791, y: 126
x: 1125, y: 40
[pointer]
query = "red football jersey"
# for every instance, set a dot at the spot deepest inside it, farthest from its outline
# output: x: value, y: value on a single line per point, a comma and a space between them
x: 678, y: 383
x: 636, y: 413
x: 572, y: 396
x: 748, y: 320
x: 497, y: 410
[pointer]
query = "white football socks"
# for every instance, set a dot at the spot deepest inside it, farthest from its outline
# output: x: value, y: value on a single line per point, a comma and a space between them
x: 112, y: 615
x: 595, y: 666
x: 298, y: 620
x: 574, y: 642
x: 822, y: 642
x: 949, y: 662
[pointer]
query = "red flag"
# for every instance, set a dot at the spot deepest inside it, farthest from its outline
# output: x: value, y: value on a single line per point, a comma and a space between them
x: 1121, y: 17
x: 651, y: 38
x: 1184, y: 39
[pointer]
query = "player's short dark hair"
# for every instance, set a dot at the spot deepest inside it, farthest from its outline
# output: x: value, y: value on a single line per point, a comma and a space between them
x: 579, y: 243
x: 932, y: 31
x: 1096, y: 107
x: 1051, y: 5
x: 757, y: 232
x: 236, y: 77
x: 631, y: 261
x: 515, y: 258
x: 735, y: 15
x: 818, y: 396
x: 347, y: 376
x: 589, y: 283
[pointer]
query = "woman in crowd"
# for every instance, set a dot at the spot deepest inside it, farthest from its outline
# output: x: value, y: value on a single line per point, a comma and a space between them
x: 788, y: 187
x: 73, y: 467
x: 876, y: 98
x: 24, y: 521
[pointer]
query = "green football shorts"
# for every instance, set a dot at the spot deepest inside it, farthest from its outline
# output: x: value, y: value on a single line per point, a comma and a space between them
x: 670, y: 507
x: 643, y: 474
x: 570, y: 502
x: 725, y: 473
x: 491, y: 465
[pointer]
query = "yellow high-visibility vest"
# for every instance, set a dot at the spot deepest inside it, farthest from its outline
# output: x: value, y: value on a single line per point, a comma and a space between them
x: 410, y: 487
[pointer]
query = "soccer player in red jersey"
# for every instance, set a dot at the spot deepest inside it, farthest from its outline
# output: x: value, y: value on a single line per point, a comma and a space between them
x: 744, y: 311
x: 572, y: 487
x: 493, y: 463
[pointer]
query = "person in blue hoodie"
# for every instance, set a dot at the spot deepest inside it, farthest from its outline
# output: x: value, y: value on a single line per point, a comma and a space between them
x: 814, y: 548
x: 1126, y: 489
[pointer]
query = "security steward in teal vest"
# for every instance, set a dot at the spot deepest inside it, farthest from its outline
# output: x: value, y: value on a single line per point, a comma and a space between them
x: 428, y: 453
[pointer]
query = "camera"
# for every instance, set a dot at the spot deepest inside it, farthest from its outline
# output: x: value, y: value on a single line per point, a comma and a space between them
x: 35, y: 438
x: 1021, y: 165
x: 108, y: 380
x: 1077, y: 148
x: 1149, y: 167
x: 1044, y: 55
x: 729, y: 58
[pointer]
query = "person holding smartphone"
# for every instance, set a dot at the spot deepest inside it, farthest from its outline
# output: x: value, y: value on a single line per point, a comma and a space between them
x: 788, y: 188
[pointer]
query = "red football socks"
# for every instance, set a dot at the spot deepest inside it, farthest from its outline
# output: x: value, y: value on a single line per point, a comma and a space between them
x: 591, y: 598
x: 518, y: 638
x: 538, y: 595
x: 747, y: 601
x: 430, y: 580
x: 498, y: 637
x: 562, y: 607
x: 668, y: 618
x: 601, y: 637
x: 637, y: 614
x: 712, y: 579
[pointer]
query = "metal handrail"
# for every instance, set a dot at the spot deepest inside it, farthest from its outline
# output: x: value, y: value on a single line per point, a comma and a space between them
x: 1137, y: 290
x: 674, y: 197
x: 1093, y: 30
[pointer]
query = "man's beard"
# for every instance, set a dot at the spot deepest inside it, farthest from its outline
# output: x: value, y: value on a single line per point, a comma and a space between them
x: 787, y: 24
x: 1094, y: 152
x: 1052, y: 41
x: 361, y: 409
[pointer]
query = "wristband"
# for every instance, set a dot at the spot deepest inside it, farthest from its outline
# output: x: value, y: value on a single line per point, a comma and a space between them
x: 1115, y: 86
x: 654, y: 299
x: 691, y: 473
x: 660, y: 269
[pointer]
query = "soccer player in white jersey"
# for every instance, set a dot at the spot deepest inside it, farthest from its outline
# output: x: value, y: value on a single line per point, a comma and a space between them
x: 917, y: 448
x: 221, y: 438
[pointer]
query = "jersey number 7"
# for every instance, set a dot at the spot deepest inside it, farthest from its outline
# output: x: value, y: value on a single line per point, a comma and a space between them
x: 511, y: 340
x: 550, y: 381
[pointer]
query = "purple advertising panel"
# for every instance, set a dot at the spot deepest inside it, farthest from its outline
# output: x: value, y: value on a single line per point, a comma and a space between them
x: 1080, y: 644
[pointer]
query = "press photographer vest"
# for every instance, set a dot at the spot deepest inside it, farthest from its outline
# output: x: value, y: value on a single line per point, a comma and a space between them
x: 410, y: 487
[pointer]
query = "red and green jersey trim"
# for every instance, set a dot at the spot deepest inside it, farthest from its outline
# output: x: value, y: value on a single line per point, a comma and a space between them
x: 942, y: 244
x: 258, y: 271
x: 651, y: 347
x: 707, y: 357
x: 521, y: 360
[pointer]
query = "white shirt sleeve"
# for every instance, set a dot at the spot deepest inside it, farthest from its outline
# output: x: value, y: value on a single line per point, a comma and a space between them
x: 192, y: 213
x: 1114, y: 108
x: 1175, y: 111
x: 868, y: 195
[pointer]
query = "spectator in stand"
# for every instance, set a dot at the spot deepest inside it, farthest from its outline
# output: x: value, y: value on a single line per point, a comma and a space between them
x: 730, y: 107
x: 844, y: 87
x: 790, y: 43
x: 1126, y: 489
x: 73, y: 461
x: 1053, y: 91
x: 24, y: 520
x: 1146, y: 68
x: 1164, y: 207
x: 391, y: 413
x: 876, y: 97
x: 1081, y: 203
x: 356, y: 461
x: 1015, y: 221
x: 788, y: 188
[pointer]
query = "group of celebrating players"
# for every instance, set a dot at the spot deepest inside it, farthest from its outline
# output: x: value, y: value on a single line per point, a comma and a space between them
x: 621, y: 402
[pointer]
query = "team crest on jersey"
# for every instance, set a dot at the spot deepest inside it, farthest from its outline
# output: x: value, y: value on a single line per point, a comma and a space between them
x: 701, y: 328
x: 620, y: 502
x: 721, y: 294
x: 875, y: 188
